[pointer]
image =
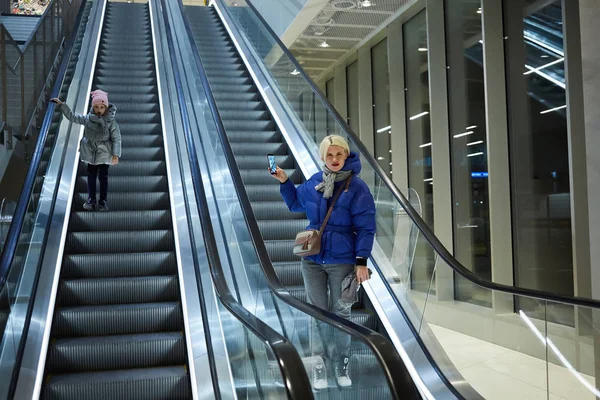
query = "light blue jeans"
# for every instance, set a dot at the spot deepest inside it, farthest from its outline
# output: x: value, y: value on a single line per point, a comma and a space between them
x: 318, y: 280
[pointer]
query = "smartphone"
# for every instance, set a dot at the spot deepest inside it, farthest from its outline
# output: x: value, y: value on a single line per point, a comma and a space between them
x: 272, y: 165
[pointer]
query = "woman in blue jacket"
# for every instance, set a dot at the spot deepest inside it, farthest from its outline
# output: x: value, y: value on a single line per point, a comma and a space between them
x: 346, y: 243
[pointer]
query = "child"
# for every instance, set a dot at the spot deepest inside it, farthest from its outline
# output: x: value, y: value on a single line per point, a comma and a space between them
x: 100, y: 146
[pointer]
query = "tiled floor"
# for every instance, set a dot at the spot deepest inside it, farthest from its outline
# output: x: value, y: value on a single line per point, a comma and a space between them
x: 498, y: 373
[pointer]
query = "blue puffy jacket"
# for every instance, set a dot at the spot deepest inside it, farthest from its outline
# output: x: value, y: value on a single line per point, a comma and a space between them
x: 351, y: 228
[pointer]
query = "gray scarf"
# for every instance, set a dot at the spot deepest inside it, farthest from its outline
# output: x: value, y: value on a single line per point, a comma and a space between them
x: 329, y: 179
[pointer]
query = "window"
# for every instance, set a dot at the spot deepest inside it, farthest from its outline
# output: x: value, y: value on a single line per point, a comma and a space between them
x: 382, y: 129
x: 352, y: 94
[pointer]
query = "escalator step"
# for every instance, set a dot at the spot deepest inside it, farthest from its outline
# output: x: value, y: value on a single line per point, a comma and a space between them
x: 105, y: 352
x: 262, y: 177
x: 138, y: 117
x: 132, y: 168
x: 119, y: 184
x: 141, y: 140
x: 121, y: 220
x: 130, y: 201
x: 127, y: 290
x: 136, y: 384
x: 254, y: 137
x: 119, y: 265
x: 264, y: 210
x: 117, y: 320
x: 263, y: 192
x: 289, y: 273
x: 275, y: 230
x: 119, y: 242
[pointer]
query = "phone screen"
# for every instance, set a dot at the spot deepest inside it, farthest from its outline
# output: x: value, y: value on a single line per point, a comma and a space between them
x: 272, y: 165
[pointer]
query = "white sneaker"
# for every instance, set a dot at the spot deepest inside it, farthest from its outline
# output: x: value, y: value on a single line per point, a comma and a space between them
x: 341, y: 372
x: 319, y: 376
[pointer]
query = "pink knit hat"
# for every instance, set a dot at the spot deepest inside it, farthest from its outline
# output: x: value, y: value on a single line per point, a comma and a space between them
x: 99, y: 97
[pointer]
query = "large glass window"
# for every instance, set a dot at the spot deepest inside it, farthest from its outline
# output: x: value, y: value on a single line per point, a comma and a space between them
x: 539, y: 151
x: 382, y: 130
x: 352, y: 94
x: 418, y: 131
x: 466, y: 93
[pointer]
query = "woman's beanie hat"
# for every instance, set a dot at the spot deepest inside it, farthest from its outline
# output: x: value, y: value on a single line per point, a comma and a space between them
x: 99, y: 97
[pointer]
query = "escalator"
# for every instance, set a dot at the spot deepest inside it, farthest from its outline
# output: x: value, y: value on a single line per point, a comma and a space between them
x: 118, y: 324
x: 256, y: 83
x: 253, y: 133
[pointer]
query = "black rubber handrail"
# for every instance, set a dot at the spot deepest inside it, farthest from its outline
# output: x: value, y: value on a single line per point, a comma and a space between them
x: 412, y: 213
x: 397, y: 376
x: 14, y: 231
x: 290, y: 364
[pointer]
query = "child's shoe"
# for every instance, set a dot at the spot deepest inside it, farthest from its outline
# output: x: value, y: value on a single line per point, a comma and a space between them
x: 102, y: 206
x: 90, y: 205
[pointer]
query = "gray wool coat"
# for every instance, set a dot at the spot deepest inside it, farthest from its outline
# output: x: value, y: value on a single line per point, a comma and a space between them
x: 101, y: 136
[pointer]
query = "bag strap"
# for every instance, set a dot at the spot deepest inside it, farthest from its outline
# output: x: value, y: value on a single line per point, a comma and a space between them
x: 345, y: 188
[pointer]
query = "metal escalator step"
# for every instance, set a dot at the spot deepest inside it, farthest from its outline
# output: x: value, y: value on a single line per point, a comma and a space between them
x: 138, y: 117
x: 247, y: 137
x: 133, y: 98
x: 262, y: 177
x: 132, y: 88
x: 364, y: 318
x: 264, y: 210
x: 240, y: 149
x: 119, y: 242
x: 263, y: 192
x: 219, y: 96
x: 214, y: 68
x: 143, y: 154
x: 280, y: 230
x: 281, y: 250
x: 139, y: 128
x: 119, y: 265
x: 117, y: 320
x: 234, y: 105
x: 261, y: 115
x: 130, y: 201
x: 132, y: 168
x: 136, y: 384
x: 123, y: 184
x: 141, y: 140
x: 106, y: 352
x: 118, y: 72
x: 124, y: 290
x: 245, y: 80
x: 289, y: 273
x: 108, y: 66
x: 84, y: 221
x: 236, y: 73
x: 141, y: 108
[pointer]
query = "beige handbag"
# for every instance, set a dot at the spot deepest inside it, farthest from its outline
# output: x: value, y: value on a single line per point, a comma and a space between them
x: 308, y: 242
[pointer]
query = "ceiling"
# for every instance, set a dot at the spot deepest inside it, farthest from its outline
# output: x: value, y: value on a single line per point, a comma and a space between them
x: 339, y: 28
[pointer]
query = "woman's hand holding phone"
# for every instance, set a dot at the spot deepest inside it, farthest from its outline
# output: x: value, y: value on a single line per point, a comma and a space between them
x: 280, y: 175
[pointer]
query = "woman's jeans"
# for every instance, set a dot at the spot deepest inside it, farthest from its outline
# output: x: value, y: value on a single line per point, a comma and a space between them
x: 99, y: 172
x: 317, y: 280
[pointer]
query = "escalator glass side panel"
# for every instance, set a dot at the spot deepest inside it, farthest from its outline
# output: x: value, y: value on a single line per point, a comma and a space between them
x: 252, y: 133
x: 17, y: 293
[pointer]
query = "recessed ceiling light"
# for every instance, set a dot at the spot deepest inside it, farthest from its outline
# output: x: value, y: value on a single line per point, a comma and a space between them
x: 367, y: 3
x: 295, y: 72
x: 324, y: 44
x: 422, y: 48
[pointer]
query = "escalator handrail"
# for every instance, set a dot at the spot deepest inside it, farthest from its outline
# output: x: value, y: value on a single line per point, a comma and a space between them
x: 16, y: 225
x: 429, y: 235
x: 290, y: 364
x: 397, y: 376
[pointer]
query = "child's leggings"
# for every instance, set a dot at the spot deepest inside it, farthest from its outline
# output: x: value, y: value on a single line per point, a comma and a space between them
x: 99, y: 172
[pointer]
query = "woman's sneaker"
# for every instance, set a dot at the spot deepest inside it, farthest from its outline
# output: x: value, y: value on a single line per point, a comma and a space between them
x: 102, y: 205
x: 90, y: 205
x: 319, y: 375
x: 341, y: 372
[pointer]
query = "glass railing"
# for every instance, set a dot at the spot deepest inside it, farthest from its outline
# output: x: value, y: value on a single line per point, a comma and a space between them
x: 375, y: 368
x: 419, y: 272
x: 23, y: 248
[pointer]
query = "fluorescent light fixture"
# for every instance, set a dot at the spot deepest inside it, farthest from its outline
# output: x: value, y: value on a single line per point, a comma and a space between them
x: 419, y: 115
x: 546, y: 342
x: 295, y: 72
x: 425, y: 145
x: 475, y: 143
x: 367, y: 3
x: 390, y: 163
x: 553, y: 109
x: 479, y: 11
x: 384, y: 129
x: 380, y: 158
x: 324, y: 44
x: 481, y: 41
x: 428, y: 180
x: 471, y: 127
x: 479, y: 153
x: 422, y: 48
x: 531, y: 71
x: 544, y: 56
x: 463, y: 134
